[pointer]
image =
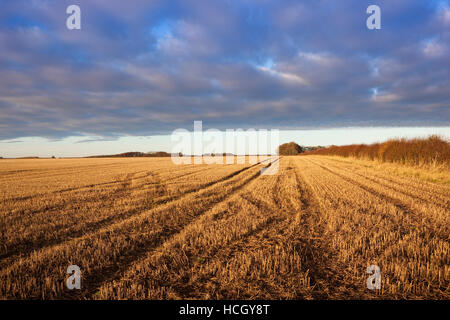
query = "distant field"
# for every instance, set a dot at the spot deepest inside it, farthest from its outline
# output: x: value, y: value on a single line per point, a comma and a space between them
x: 144, y: 228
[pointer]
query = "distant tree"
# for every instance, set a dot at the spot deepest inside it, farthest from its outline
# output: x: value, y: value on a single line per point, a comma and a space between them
x: 290, y: 149
x: 162, y: 154
x: 53, y: 157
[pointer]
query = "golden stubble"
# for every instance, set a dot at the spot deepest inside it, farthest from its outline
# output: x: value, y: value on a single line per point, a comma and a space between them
x: 148, y: 229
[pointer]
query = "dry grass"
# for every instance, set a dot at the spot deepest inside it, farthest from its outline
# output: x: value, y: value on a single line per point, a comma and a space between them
x: 145, y: 228
x: 433, y: 152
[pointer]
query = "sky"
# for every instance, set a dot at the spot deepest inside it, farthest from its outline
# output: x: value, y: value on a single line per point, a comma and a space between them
x: 137, y: 70
x: 95, y: 145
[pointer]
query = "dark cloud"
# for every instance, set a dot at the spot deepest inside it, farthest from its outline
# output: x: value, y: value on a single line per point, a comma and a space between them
x: 140, y: 69
x: 96, y: 140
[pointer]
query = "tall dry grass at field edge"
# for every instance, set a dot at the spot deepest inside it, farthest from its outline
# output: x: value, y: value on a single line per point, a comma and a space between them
x: 432, y: 152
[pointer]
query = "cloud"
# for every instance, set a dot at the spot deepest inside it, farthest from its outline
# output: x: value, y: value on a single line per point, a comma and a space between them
x: 384, y: 97
x: 433, y: 49
x: 289, y: 77
x: 101, y: 139
x: 12, y: 141
x: 324, y: 59
x: 139, y: 69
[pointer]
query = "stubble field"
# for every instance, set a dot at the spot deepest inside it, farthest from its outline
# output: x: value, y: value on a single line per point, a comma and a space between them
x: 144, y: 228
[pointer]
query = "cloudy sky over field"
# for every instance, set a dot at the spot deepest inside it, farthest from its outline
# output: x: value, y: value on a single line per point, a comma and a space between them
x: 138, y: 69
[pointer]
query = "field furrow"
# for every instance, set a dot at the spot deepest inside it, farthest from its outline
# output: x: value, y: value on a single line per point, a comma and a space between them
x: 429, y: 215
x: 110, y: 248
x: 407, y: 252
x: 196, y: 262
x: 77, y: 215
x: 419, y: 187
x: 148, y: 229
